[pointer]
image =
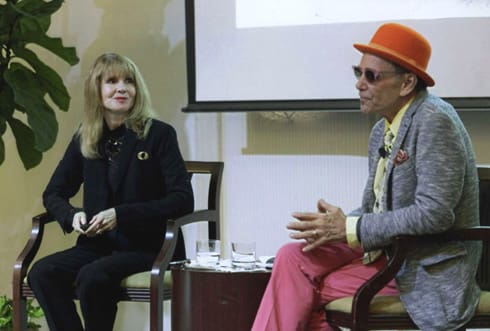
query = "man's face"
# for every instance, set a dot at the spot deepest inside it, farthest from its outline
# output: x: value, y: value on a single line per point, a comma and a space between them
x: 382, y: 96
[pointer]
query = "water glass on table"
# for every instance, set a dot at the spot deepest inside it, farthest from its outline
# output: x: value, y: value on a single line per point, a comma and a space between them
x: 208, y: 252
x: 243, y: 255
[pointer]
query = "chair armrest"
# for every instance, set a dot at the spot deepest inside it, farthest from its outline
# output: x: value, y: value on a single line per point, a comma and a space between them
x: 164, y: 257
x: 480, y: 233
x: 362, y: 298
x: 33, y: 243
x: 31, y: 248
x: 22, y: 265
x: 397, y: 254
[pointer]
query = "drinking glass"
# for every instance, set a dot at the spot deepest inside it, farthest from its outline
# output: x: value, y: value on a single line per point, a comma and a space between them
x: 243, y: 255
x: 208, y: 252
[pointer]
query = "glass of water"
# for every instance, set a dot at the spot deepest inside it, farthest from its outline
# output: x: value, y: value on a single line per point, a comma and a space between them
x: 208, y: 252
x: 243, y: 255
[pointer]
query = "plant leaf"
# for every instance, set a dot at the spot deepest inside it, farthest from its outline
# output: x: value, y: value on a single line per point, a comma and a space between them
x: 49, y: 78
x: 6, y: 311
x: 2, y: 150
x: 6, y: 103
x: 25, y: 84
x: 29, y: 29
x: 3, y: 127
x: 36, y: 312
x: 4, y: 321
x: 28, y: 93
x: 37, y: 7
x: 24, y: 139
x: 8, y: 17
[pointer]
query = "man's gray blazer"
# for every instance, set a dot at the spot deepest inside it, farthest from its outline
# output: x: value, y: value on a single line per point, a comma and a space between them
x: 431, y: 186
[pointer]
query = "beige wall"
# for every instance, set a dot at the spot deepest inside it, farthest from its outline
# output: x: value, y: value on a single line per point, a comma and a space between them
x: 272, y: 165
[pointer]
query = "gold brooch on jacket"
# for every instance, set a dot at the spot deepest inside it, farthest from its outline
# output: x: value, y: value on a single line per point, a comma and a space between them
x: 142, y: 156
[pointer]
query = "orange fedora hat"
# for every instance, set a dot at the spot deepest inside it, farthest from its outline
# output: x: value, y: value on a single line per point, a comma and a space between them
x: 402, y: 45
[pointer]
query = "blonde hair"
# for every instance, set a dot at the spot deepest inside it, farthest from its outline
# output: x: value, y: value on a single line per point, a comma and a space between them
x: 139, y: 119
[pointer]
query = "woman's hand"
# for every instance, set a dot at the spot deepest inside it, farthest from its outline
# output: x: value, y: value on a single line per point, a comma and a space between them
x: 104, y: 221
x: 325, y: 226
x: 79, y: 222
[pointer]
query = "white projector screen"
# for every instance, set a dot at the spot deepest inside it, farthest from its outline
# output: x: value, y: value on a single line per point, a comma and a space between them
x: 245, y: 55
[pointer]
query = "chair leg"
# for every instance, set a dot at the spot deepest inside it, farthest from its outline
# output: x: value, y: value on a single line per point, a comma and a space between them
x: 20, y: 314
x: 156, y: 315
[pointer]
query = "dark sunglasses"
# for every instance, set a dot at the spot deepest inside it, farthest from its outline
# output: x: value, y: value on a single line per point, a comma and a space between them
x: 372, y: 76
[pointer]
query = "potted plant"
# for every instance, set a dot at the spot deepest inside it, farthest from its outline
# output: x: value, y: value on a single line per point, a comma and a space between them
x: 7, y: 311
x: 26, y: 82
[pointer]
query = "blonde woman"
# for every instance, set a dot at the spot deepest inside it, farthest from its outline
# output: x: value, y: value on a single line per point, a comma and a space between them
x: 134, y: 179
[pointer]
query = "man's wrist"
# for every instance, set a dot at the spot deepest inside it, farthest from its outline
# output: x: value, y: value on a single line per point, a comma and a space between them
x: 351, y: 227
x: 358, y: 229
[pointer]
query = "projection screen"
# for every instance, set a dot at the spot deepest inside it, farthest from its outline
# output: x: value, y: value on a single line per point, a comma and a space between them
x: 247, y: 55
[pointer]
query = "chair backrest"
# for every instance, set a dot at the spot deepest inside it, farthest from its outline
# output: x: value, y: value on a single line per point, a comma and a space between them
x: 215, y: 170
x: 483, y: 275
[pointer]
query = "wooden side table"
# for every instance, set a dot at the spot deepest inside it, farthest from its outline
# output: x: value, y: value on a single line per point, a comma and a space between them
x: 212, y: 300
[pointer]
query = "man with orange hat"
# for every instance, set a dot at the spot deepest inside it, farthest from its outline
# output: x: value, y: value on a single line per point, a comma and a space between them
x: 422, y: 179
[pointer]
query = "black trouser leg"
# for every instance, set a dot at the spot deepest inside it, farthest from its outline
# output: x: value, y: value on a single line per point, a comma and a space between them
x: 98, y: 286
x: 52, y: 280
x: 98, y: 295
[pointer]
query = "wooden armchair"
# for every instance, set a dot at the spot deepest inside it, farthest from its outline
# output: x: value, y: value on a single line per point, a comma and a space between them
x: 367, y: 311
x: 153, y: 286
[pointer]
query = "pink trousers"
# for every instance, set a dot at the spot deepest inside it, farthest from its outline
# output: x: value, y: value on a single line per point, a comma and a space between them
x: 302, y: 283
